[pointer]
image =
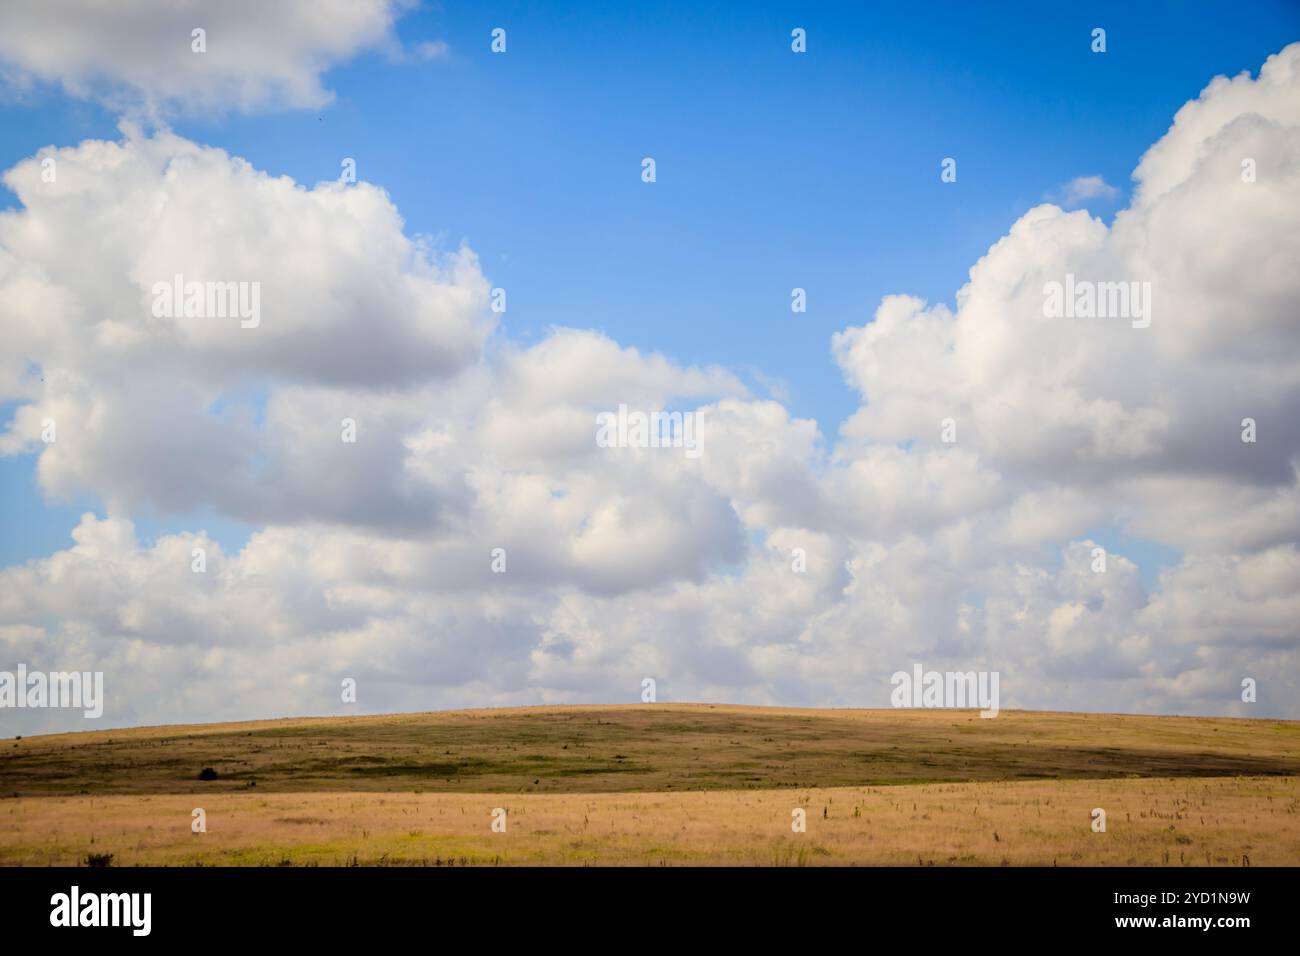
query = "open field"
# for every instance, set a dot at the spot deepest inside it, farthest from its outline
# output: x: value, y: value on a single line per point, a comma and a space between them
x: 663, y: 784
x: 1230, y: 821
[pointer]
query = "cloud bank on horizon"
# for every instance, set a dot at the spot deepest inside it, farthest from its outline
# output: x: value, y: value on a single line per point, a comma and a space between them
x: 945, y: 521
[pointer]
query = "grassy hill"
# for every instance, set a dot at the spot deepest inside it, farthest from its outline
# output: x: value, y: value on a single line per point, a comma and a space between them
x: 671, y: 783
x: 614, y: 749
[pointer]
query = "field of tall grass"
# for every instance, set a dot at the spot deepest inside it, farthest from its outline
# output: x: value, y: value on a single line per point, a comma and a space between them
x: 662, y: 785
x: 1227, y: 821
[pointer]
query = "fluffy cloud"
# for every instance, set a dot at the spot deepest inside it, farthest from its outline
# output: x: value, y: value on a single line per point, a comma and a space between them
x: 1082, y: 188
x: 782, y: 566
x: 1099, y: 399
x: 162, y: 409
x: 139, y: 54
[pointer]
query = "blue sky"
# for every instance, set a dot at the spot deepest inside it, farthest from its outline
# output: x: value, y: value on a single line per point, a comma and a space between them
x: 774, y: 170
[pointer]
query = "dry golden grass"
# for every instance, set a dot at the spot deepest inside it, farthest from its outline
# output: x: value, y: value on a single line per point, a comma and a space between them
x: 663, y: 784
x: 1219, y: 821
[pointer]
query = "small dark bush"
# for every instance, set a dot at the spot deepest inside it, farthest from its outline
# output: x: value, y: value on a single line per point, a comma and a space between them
x: 99, y: 860
x: 207, y: 773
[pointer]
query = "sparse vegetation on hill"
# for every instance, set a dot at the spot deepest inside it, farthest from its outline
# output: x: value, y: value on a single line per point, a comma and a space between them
x: 662, y: 784
x: 646, y: 748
